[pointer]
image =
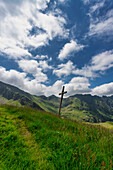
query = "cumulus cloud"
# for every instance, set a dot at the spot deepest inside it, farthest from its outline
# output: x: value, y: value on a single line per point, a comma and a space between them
x: 14, y: 32
x: 69, y: 48
x: 42, y: 4
x: 54, y: 26
x: 34, y: 68
x: 12, y: 77
x: 32, y: 86
x: 64, y: 69
x: 104, y: 26
x: 102, y: 61
x: 12, y: 50
x: 44, y: 65
x: 85, y: 71
x: 17, y: 21
x: 100, y: 25
x: 55, y: 88
x: 99, y: 64
x: 20, y: 80
x: 28, y: 65
x: 103, y: 90
x: 78, y: 85
x: 41, y: 57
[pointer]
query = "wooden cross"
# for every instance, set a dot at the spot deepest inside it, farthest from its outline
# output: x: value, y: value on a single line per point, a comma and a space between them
x: 62, y: 94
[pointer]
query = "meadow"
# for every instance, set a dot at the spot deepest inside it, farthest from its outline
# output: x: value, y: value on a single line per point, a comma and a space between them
x: 32, y: 139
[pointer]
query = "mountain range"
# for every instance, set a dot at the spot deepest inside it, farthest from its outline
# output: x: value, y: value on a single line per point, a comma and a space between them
x: 77, y: 107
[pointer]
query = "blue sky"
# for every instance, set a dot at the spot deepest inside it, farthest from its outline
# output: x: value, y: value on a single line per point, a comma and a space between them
x: 45, y: 44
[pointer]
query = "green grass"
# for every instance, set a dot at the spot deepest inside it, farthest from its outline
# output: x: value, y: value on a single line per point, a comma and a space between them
x: 30, y: 139
x: 9, y: 102
x: 77, y: 115
x: 47, y: 105
x: 107, y: 125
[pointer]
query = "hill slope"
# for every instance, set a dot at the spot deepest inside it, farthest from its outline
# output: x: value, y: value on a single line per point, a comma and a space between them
x: 12, y: 95
x: 31, y: 139
x: 78, y: 107
x: 88, y: 108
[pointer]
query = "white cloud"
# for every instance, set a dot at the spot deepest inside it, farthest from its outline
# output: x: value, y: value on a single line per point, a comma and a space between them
x: 34, y: 68
x: 69, y: 48
x: 64, y: 69
x: 29, y: 66
x: 21, y: 81
x: 100, y: 25
x: 55, y: 88
x: 14, y: 35
x: 54, y: 26
x: 103, y: 61
x: 15, y: 51
x: 85, y: 71
x: 12, y: 77
x: 99, y: 64
x: 97, y: 6
x: 44, y: 65
x: 63, y: 1
x: 17, y: 20
x: 103, y: 90
x: 78, y: 85
x: 41, y: 57
x: 37, y: 41
x: 42, y: 4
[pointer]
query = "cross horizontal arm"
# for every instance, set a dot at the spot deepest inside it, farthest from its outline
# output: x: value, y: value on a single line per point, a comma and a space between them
x: 63, y: 93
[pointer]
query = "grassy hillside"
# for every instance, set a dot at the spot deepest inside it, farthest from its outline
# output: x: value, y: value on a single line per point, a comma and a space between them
x: 31, y: 139
x: 88, y: 108
x: 49, y: 104
x: 79, y: 107
x: 12, y: 95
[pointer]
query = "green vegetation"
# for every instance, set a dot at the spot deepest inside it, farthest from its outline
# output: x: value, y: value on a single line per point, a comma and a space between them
x: 9, y: 102
x: 108, y: 125
x: 32, y: 139
x: 14, y: 96
x: 78, y: 107
x: 88, y: 108
x: 49, y: 104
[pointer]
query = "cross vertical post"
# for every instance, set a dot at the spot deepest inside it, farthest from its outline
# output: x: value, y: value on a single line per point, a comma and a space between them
x: 62, y: 94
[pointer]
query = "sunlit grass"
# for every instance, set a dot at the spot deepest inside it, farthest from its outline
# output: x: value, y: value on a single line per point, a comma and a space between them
x: 30, y: 139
